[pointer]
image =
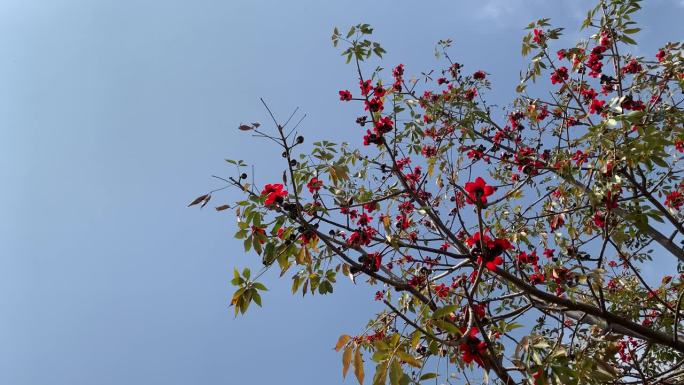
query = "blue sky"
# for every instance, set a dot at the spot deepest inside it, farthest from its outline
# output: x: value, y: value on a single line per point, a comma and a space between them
x: 113, y: 116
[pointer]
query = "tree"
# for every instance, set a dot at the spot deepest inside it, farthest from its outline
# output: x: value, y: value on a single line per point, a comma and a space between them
x: 505, y: 243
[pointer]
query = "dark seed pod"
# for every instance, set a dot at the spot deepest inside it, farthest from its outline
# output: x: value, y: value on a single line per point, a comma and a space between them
x: 300, y: 139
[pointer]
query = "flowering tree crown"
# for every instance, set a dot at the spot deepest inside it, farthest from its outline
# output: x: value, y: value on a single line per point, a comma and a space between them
x: 506, y: 244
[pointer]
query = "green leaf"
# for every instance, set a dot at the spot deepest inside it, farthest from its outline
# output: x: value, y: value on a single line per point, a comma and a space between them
x: 395, y: 373
x: 351, y: 32
x: 627, y: 39
x: 428, y: 376
x: 448, y: 326
x: 260, y: 286
x: 256, y: 297
x: 380, y: 374
x: 444, y: 311
x: 409, y: 359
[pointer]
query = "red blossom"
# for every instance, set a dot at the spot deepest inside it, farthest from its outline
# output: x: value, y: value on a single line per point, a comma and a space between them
x: 675, y: 199
x: 596, y: 106
x: 384, y: 125
x: 314, y: 184
x: 491, y: 256
x: 371, y: 206
x: 471, y: 93
x: 365, y: 86
x: 478, y: 191
x: 364, y: 220
x: 679, y: 145
x: 345, y: 95
x: 538, y: 36
x: 374, y: 105
x: 561, y: 54
x: 441, y: 290
x: 599, y: 219
x: 429, y: 151
x: 632, y: 67
x: 274, y: 193
x: 472, y: 348
x: 525, y: 258
x: 559, y: 76
x: 372, y: 138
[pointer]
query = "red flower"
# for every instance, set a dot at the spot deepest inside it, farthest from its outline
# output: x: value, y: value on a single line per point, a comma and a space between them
x: 365, y: 87
x: 560, y: 75
x: 596, y: 106
x: 345, y: 95
x: 472, y: 349
x: 372, y: 138
x: 537, y: 278
x: 314, y: 184
x: 491, y: 256
x: 384, y: 125
x: 599, y: 219
x: 374, y: 105
x: 471, y: 93
x: 538, y: 36
x: 403, y: 222
x: 371, y: 206
x: 525, y: 258
x: 429, y: 151
x: 478, y: 191
x: 274, y: 193
x: 632, y: 67
x: 441, y: 290
x: 364, y: 220
x: 479, y: 75
x: 660, y: 55
x: 562, y: 54
x: 398, y: 71
x: 358, y: 238
x: 589, y: 93
x: 630, y: 104
x: 679, y: 145
x: 675, y: 200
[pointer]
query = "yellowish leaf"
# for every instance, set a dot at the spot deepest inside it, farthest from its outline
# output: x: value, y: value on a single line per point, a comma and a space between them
x: 358, y: 365
x: 341, y: 342
x: 346, y: 360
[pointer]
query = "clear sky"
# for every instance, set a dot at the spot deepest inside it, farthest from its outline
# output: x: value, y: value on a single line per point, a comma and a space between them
x: 113, y: 116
